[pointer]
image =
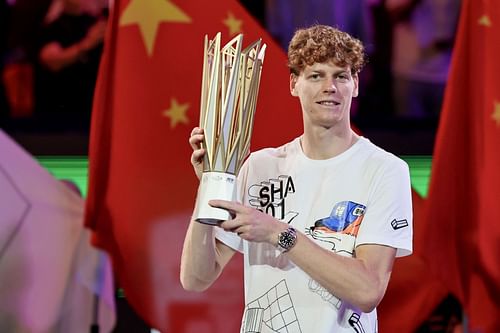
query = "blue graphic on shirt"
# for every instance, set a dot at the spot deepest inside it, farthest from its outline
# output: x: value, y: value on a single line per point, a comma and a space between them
x: 345, y: 218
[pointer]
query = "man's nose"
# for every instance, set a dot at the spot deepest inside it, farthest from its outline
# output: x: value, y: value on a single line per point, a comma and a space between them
x: 330, y: 86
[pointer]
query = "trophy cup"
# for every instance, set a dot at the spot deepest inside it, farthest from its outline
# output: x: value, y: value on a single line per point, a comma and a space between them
x: 230, y: 85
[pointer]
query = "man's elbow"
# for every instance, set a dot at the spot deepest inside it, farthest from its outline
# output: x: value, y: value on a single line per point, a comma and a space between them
x: 190, y: 283
x: 367, y: 302
x: 368, y: 306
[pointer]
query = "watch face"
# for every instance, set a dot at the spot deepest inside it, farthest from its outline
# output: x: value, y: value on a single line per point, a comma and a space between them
x: 287, y: 239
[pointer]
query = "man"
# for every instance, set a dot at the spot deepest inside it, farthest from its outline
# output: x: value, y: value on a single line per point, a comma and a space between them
x: 321, y: 218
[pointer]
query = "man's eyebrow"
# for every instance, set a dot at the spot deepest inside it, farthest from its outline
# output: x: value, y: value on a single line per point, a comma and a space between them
x: 336, y: 72
x: 344, y: 70
x: 317, y: 71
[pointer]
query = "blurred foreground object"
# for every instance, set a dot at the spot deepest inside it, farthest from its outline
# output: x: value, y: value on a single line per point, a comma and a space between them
x: 53, y: 280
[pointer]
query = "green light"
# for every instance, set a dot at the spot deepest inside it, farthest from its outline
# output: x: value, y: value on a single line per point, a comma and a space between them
x: 75, y: 168
x: 420, y: 171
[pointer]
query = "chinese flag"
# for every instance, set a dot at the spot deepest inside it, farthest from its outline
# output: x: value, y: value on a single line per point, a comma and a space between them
x: 141, y: 184
x: 412, y: 293
x: 463, y: 238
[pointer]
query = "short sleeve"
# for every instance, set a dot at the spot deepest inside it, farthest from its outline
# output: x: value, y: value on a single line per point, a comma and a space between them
x: 388, y: 217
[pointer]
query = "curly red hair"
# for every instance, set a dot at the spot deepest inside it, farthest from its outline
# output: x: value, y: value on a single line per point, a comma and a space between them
x: 321, y: 43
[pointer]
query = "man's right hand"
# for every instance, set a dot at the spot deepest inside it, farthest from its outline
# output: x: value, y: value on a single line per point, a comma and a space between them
x: 195, y: 141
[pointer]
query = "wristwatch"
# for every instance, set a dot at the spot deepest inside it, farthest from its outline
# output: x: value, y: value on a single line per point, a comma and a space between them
x: 287, y: 239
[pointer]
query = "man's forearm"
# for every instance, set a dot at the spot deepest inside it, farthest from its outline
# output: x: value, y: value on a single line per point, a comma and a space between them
x: 361, y: 281
x: 199, y: 261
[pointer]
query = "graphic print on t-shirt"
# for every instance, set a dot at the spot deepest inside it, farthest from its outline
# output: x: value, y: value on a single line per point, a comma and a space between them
x: 270, y: 197
x: 355, y: 322
x: 336, y: 232
x: 272, y: 312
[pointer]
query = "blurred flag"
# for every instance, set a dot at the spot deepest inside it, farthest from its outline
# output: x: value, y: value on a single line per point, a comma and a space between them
x: 463, y: 238
x: 52, y: 279
x: 141, y: 185
x: 412, y: 293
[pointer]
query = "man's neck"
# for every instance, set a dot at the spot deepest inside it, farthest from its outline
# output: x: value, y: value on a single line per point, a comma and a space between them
x: 322, y: 144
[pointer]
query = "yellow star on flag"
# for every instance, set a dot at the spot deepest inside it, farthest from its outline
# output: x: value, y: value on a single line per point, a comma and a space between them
x: 177, y: 113
x: 496, y: 113
x: 233, y: 24
x: 148, y: 14
x: 484, y: 20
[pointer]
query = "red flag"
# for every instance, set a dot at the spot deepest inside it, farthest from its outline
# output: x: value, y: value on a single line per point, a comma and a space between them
x: 412, y: 293
x: 463, y: 236
x: 141, y: 184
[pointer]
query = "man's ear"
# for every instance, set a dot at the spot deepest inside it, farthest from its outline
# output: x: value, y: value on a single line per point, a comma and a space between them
x: 293, y: 82
x: 355, y: 92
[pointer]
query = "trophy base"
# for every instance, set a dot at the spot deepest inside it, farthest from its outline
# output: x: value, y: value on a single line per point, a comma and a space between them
x: 209, y: 221
x: 214, y: 185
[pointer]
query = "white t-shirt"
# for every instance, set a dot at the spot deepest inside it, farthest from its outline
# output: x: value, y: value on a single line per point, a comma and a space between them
x: 362, y: 196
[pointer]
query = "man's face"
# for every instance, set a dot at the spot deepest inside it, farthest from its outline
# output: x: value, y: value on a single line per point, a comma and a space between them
x: 325, y: 91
